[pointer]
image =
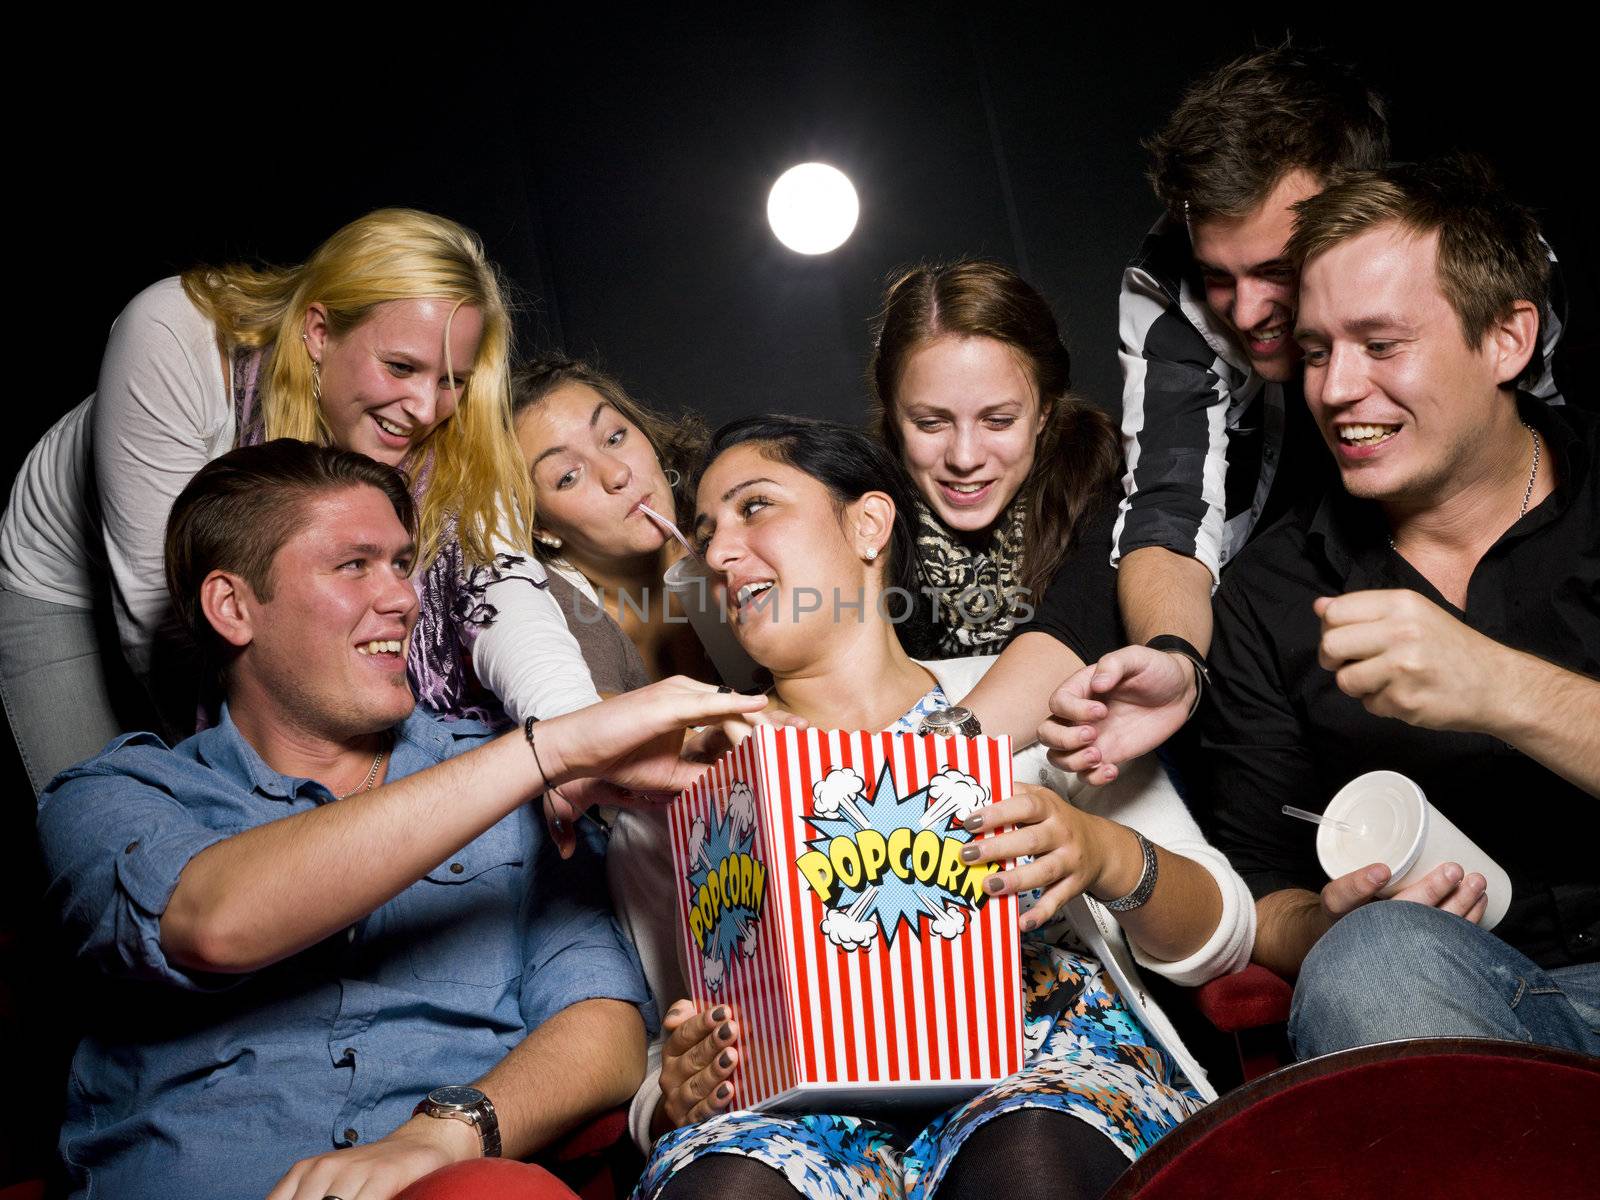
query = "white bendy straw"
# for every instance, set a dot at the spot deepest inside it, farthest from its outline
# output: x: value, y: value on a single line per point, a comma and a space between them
x: 1290, y: 810
x: 668, y: 526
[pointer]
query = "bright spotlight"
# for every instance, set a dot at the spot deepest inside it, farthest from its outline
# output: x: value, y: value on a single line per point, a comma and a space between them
x: 812, y: 208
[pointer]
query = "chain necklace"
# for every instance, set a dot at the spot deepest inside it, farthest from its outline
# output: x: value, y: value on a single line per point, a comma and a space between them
x: 372, y: 775
x: 1533, y: 474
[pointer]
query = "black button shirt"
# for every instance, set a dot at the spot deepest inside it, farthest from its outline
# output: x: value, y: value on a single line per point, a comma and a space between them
x: 1278, y: 731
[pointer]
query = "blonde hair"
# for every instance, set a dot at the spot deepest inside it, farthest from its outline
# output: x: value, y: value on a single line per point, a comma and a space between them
x: 470, y: 472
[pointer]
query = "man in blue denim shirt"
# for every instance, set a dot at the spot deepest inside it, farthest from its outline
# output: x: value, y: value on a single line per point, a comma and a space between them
x: 309, y: 916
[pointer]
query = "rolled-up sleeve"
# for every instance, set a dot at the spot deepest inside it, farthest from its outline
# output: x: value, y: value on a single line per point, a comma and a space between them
x: 114, y: 847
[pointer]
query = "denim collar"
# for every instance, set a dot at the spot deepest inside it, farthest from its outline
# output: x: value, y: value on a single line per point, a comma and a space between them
x: 420, y: 741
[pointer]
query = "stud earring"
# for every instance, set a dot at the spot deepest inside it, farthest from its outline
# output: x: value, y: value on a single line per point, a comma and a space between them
x: 872, y: 553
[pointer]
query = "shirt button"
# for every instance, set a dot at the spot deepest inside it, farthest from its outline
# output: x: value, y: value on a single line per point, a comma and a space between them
x: 350, y: 1135
x: 456, y: 868
x: 130, y: 847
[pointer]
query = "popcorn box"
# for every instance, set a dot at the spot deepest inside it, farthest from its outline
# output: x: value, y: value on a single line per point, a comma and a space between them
x: 823, y: 897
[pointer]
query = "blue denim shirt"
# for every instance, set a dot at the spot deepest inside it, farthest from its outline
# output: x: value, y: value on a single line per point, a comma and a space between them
x: 188, y: 1084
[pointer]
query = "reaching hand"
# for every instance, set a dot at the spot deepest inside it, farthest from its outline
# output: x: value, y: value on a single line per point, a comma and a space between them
x: 1112, y: 711
x: 382, y: 1168
x: 1067, y: 846
x: 636, y: 740
x: 700, y: 1054
x: 711, y: 743
x: 1403, y: 656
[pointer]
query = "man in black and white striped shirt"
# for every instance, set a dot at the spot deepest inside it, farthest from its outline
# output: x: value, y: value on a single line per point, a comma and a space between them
x: 1217, y: 438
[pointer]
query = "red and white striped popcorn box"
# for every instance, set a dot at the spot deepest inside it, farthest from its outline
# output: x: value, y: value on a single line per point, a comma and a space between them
x: 823, y: 897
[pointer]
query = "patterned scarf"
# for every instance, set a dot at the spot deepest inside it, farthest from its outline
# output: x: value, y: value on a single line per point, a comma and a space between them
x: 976, y: 591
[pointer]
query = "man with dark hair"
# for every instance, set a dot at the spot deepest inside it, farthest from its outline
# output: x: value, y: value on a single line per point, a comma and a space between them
x: 303, y: 921
x: 1437, y: 615
x: 1217, y: 439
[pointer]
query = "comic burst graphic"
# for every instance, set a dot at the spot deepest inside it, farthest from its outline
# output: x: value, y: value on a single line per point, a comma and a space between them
x: 889, y: 897
x: 727, y: 902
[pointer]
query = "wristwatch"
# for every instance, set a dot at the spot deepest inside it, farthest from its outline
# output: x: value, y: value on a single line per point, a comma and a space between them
x: 459, y: 1102
x: 950, y: 722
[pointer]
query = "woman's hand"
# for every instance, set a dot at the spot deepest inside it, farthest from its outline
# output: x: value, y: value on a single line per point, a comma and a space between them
x: 635, y: 741
x: 701, y: 1052
x: 1070, y: 848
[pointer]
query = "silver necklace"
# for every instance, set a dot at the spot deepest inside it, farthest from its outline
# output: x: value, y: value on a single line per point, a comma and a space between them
x: 1533, y: 474
x: 372, y: 775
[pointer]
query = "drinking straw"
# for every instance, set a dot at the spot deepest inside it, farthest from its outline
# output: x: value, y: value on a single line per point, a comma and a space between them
x: 668, y: 526
x: 1290, y: 810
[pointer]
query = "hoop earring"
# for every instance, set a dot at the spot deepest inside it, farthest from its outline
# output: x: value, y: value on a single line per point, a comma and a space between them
x: 673, y: 478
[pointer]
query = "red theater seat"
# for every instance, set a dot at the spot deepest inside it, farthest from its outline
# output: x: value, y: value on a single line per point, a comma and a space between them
x: 1444, y: 1117
x: 1253, y: 1006
x: 488, y: 1179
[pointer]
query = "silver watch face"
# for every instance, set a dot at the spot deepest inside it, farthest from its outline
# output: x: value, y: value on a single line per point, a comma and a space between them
x: 950, y: 722
x: 455, y: 1096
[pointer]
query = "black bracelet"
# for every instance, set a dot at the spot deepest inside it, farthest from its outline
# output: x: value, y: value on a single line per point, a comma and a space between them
x: 1173, y: 644
x: 527, y: 732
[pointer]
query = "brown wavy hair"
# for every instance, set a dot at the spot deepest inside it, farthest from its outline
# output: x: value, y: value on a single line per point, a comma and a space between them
x: 1078, y: 455
x: 679, y: 442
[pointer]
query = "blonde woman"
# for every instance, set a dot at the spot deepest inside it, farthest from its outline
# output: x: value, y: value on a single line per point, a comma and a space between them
x: 392, y: 339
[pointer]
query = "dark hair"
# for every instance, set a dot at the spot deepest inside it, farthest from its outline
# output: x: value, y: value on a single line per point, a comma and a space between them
x: 846, y: 461
x: 678, y: 442
x: 1241, y: 129
x: 239, y: 510
x: 1078, y: 452
x: 1490, y: 254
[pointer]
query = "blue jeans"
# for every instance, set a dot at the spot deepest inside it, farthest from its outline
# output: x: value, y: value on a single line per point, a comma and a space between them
x: 1395, y: 970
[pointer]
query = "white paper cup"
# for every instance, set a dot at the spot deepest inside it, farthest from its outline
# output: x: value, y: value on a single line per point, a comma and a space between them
x: 1393, y: 823
x: 690, y: 581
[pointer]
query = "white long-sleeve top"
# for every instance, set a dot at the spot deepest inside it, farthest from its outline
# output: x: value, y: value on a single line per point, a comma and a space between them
x: 639, y: 868
x: 95, y: 493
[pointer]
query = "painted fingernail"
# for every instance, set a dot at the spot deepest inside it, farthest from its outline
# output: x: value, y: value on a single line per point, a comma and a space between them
x: 1026, y: 924
x: 994, y: 885
x: 725, y: 1060
x: 725, y: 1033
x: 969, y: 853
x: 973, y: 823
x: 719, y: 1014
x: 724, y: 1092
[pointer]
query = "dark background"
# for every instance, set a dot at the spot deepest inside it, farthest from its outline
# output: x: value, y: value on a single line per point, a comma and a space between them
x: 617, y: 167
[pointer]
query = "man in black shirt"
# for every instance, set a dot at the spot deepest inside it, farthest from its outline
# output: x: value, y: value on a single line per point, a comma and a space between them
x: 1438, y: 615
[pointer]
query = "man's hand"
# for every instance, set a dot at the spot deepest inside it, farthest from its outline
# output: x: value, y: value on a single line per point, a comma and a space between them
x: 1445, y: 887
x: 636, y: 740
x: 1403, y: 656
x: 1112, y: 711
x: 383, y: 1168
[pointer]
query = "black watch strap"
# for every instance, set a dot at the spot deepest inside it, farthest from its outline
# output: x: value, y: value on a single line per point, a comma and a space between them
x: 1171, y: 643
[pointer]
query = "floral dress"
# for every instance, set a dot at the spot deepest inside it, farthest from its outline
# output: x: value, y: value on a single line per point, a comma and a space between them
x: 1088, y: 1056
